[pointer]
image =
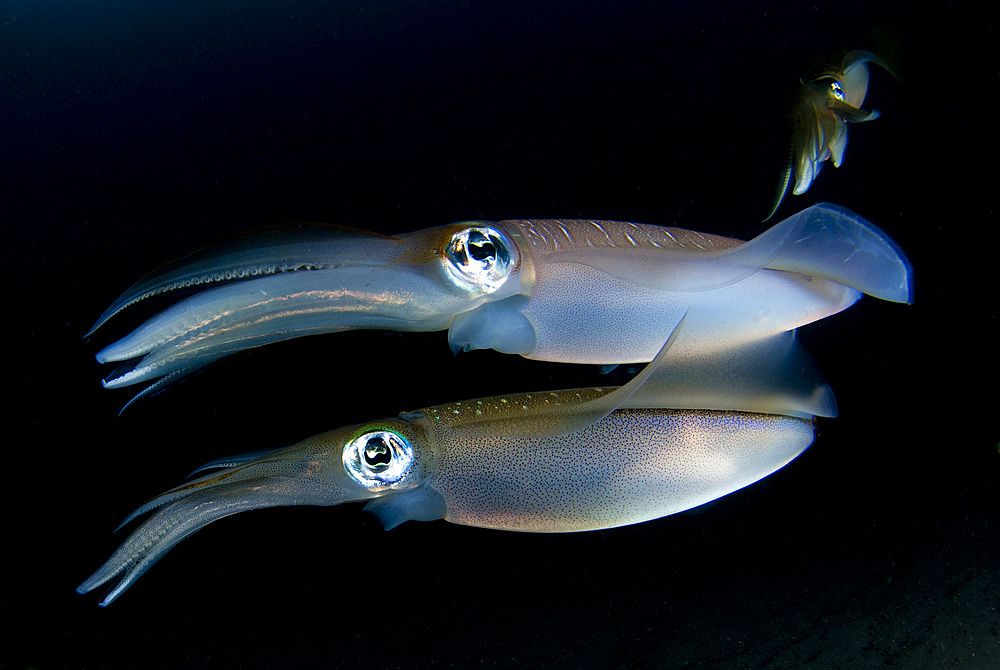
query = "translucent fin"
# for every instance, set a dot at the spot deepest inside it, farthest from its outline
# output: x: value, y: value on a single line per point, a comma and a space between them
x: 832, y: 242
x: 824, y: 240
x: 855, y: 77
x: 494, y: 325
x: 419, y: 504
x: 568, y: 412
x: 771, y: 376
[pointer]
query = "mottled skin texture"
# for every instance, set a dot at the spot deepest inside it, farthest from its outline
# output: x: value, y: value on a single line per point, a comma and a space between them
x: 550, y: 236
x: 504, y: 462
x: 632, y: 466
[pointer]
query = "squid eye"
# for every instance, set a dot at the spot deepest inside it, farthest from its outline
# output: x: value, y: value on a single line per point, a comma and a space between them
x: 837, y: 90
x: 378, y: 459
x: 480, y: 258
x: 378, y: 454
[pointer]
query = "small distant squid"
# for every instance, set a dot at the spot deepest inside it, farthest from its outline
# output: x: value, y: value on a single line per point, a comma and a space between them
x: 830, y: 97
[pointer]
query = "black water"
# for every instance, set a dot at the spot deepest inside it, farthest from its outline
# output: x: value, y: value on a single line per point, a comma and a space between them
x: 131, y: 133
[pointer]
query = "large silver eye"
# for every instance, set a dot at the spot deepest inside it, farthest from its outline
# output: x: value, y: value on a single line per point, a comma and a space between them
x: 378, y: 459
x: 480, y: 258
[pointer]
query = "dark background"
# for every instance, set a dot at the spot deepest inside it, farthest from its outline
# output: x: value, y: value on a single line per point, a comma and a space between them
x: 131, y: 133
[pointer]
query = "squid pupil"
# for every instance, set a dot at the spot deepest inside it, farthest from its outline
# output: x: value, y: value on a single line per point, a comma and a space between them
x: 377, y: 452
x: 483, y: 250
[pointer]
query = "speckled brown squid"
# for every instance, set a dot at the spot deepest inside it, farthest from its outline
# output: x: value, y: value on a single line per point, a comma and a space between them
x: 541, y: 462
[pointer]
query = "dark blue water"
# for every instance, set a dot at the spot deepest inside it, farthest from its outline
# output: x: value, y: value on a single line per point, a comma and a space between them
x: 130, y: 134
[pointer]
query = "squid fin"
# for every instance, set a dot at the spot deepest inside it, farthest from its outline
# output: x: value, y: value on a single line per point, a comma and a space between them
x: 544, y: 419
x: 494, y: 325
x: 420, y: 504
x: 823, y: 240
x: 771, y: 376
x: 832, y: 242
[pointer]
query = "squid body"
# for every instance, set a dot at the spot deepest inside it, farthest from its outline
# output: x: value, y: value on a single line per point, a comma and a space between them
x: 558, y: 461
x: 576, y: 291
x: 830, y: 97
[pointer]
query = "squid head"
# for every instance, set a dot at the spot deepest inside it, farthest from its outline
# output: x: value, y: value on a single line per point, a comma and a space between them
x: 830, y: 97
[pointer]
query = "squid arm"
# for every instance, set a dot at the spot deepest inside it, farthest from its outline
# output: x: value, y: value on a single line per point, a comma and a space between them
x: 576, y: 291
x: 561, y: 461
x: 829, y: 98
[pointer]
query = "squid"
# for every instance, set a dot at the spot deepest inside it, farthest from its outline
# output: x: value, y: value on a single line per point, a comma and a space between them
x: 577, y: 291
x: 830, y: 97
x: 547, y: 462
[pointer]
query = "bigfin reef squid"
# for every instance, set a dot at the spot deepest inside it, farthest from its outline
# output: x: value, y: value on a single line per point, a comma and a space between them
x: 551, y: 461
x: 830, y: 97
x: 576, y: 291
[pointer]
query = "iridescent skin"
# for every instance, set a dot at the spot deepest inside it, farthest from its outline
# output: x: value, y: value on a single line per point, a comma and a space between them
x: 577, y: 291
x: 541, y: 462
x: 633, y: 466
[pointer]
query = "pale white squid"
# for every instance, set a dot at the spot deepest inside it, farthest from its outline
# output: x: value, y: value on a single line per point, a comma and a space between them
x: 557, y: 461
x: 575, y: 291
